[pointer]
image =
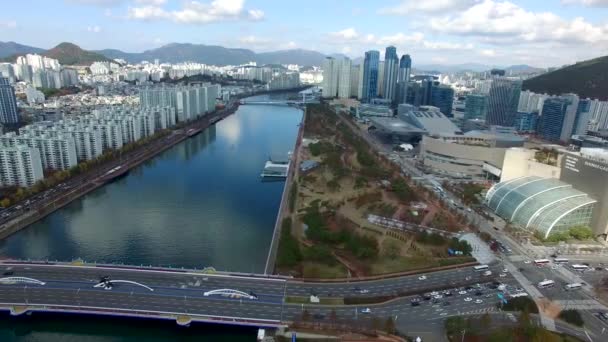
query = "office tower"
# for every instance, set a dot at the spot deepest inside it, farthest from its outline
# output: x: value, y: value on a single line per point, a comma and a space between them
x: 20, y: 166
x: 570, y: 118
x: 330, y: 77
x: 8, y: 103
x: 552, y: 120
x: 391, y: 72
x: 526, y: 122
x: 475, y: 107
x: 403, y: 78
x: 354, y: 80
x: 6, y: 70
x: 380, y: 92
x: 370, y: 75
x: 497, y: 72
x: 344, y: 66
x: 442, y: 97
x: 583, y: 116
x: 360, y: 85
x: 503, y: 100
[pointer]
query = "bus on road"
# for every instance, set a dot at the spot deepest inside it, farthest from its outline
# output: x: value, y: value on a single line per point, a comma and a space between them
x: 573, y: 286
x: 579, y: 267
x: 546, y: 284
x: 560, y: 260
x: 480, y: 268
x: 540, y: 262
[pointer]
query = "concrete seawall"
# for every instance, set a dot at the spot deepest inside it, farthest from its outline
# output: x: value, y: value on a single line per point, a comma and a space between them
x: 284, y: 206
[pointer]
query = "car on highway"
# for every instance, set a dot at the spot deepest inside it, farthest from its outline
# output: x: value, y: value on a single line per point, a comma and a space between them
x: 363, y: 291
x: 318, y: 316
x: 467, y: 278
x: 502, y: 275
x: 504, y: 270
x: 468, y: 299
x: 422, y: 277
x: 8, y: 273
x: 478, y: 293
x: 447, y: 293
x: 426, y: 296
x: 366, y: 311
x: 603, y: 316
x: 445, y: 303
x: 438, y: 296
x: 462, y: 292
x: 527, y: 262
x: 478, y: 301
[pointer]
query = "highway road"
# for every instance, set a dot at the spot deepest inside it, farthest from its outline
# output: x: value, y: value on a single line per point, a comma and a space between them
x: 178, y: 292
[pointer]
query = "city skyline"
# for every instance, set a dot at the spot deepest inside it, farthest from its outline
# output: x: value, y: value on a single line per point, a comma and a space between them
x: 435, y: 32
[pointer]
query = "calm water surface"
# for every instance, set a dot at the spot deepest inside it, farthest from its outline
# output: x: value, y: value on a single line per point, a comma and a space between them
x: 200, y: 203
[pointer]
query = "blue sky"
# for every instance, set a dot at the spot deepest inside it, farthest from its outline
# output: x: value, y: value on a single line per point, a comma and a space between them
x: 536, y: 32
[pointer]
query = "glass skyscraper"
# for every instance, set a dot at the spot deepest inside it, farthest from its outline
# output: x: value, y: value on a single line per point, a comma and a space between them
x: 503, y: 100
x: 476, y: 107
x: 370, y: 75
x: 552, y: 119
x: 391, y: 71
x: 442, y: 97
x: 403, y: 78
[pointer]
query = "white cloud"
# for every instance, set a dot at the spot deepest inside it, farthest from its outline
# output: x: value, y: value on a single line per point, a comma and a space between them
x: 151, y: 2
x: 587, y: 3
x: 401, y: 39
x: 195, y: 12
x: 94, y: 29
x: 446, y: 46
x: 289, y: 45
x: 514, y: 24
x: 487, y: 53
x: 428, y: 6
x: 101, y: 3
x: 8, y: 24
x: 346, y: 34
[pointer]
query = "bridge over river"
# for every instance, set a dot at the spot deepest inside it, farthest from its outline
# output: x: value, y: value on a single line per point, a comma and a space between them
x: 194, y: 295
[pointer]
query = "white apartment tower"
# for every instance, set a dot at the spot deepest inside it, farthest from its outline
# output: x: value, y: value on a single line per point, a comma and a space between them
x: 20, y: 166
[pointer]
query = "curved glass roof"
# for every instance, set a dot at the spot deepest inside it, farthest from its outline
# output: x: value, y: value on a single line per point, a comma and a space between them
x: 539, y: 203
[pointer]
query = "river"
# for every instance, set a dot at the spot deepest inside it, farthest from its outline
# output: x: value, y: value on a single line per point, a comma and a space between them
x: 200, y: 203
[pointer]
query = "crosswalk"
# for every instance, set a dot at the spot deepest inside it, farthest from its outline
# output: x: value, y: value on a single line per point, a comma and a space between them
x: 580, y: 304
x: 479, y: 311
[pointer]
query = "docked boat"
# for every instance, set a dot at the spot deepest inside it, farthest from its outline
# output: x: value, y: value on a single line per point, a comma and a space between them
x: 276, y: 167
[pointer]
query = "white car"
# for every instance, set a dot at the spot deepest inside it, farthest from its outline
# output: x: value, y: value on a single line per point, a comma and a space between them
x: 468, y: 299
x: 434, y: 293
x: 366, y: 311
x: 422, y: 277
x: 467, y: 278
x: 462, y: 292
x: 364, y: 291
x: 438, y: 296
x: 479, y: 301
x: 504, y: 270
x: 527, y: 262
x: 502, y: 275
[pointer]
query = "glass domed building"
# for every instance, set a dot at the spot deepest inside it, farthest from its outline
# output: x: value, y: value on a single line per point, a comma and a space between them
x: 545, y: 205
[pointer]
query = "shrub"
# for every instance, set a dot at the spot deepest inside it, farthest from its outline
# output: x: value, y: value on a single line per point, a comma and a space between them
x: 572, y: 317
x: 520, y: 304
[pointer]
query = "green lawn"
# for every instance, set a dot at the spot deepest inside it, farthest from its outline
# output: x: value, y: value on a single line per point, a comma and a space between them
x: 384, y: 265
x: 318, y: 270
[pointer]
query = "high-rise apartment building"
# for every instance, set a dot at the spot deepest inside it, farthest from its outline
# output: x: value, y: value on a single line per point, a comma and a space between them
x: 330, y: 77
x: 8, y: 103
x: 370, y: 75
x: 354, y: 80
x: 20, y: 166
x: 391, y: 72
x: 381, y: 79
x: 344, y: 69
x: 503, y: 99
x: 403, y: 78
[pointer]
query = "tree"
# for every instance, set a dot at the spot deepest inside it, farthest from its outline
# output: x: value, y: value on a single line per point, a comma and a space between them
x: 486, y: 320
x: 5, y: 203
x: 391, y: 249
x: 581, y: 232
x: 389, y: 325
x: 572, y: 317
x: 454, y: 325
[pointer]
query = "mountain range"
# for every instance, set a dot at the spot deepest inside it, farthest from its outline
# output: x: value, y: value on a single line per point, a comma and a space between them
x: 587, y: 79
x: 218, y: 55
x: 65, y: 53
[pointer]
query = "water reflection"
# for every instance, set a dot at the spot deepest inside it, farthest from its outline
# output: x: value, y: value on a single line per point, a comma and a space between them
x: 200, y: 203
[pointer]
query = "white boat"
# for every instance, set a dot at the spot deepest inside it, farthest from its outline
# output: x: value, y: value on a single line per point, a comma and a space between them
x: 276, y: 168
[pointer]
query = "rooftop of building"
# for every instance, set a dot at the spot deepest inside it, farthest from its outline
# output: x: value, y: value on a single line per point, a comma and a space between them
x: 395, y: 125
x: 428, y: 118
